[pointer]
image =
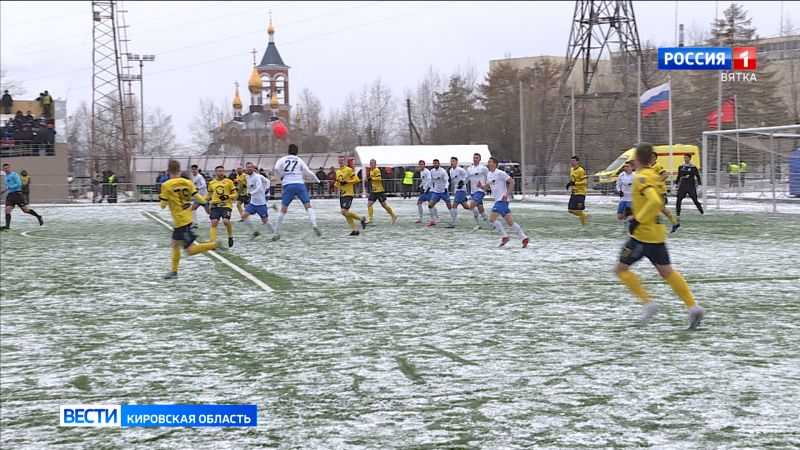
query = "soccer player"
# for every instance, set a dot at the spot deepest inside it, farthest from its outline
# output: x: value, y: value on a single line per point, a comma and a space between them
x: 291, y: 169
x: 502, y: 185
x: 200, y: 183
x: 178, y: 192
x: 578, y: 183
x: 377, y: 194
x: 648, y: 240
x: 241, y: 185
x: 345, y: 180
x: 662, y: 190
x: 221, y: 192
x: 424, y: 188
x: 459, y: 177
x: 477, y: 178
x: 14, y: 197
x: 439, y: 191
x: 257, y: 187
x: 624, y: 185
x: 687, y: 173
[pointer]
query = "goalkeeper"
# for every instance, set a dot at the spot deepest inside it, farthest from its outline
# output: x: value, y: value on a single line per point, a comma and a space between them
x: 648, y: 238
x: 687, y: 173
x: 221, y: 194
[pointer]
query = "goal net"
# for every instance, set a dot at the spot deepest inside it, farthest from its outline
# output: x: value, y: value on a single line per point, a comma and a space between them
x: 752, y: 168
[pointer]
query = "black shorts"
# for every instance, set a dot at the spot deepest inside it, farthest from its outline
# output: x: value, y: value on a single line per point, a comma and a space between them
x: 345, y: 202
x: 377, y: 197
x: 634, y: 251
x: 16, y: 199
x: 243, y: 198
x: 220, y: 212
x: 577, y: 202
x: 184, y: 234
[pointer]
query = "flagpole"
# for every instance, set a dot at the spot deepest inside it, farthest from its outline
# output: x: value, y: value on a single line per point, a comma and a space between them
x: 669, y: 88
x: 719, y: 137
x: 738, y: 155
x: 639, y: 99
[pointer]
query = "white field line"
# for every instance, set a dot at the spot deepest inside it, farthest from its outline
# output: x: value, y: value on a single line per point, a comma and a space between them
x: 222, y: 259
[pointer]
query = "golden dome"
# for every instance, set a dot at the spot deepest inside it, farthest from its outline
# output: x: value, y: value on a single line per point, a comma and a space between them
x: 270, y: 28
x: 297, y: 117
x: 273, y: 102
x: 237, y: 101
x: 254, y: 84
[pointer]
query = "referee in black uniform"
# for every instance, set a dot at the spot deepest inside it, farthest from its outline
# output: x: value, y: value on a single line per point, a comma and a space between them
x: 687, y: 173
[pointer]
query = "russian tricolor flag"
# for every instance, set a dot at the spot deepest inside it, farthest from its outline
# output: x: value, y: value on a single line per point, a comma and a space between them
x: 655, y: 100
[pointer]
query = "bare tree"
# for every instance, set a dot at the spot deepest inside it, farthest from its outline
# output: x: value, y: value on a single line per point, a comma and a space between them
x: 697, y: 35
x: 788, y: 28
x: 423, y: 103
x: 207, y: 118
x: 159, y: 134
x: 378, y: 114
x: 14, y: 87
x: 310, y: 111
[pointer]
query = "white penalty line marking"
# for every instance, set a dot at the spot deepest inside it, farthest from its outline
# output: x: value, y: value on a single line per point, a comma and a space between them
x: 222, y: 259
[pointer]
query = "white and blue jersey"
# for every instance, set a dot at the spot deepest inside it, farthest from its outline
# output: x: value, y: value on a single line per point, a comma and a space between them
x: 477, y: 174
x: 498, y: 181
x: 425, y: 185
x: 291, y: 169
x: 624, y: 185
x: 439, y: 180
x: 459, y: 178
x: 200, y: 184
x: 257, y: 187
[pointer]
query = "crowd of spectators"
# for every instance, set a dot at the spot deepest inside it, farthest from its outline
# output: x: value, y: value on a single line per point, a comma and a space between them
x: 24, y: 134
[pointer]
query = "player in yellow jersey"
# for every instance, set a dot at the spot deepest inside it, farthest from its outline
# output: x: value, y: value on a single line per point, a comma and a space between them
x: 377, y: 194
x: 648, y: 240
x: 177, y: 193
x: 221, y: 192
x: 345, y: 180
x: 578, y: 183
x: 662, y: 190
x: 241, y: 186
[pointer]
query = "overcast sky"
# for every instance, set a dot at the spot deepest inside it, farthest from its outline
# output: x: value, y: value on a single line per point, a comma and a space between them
x: 334, y: 48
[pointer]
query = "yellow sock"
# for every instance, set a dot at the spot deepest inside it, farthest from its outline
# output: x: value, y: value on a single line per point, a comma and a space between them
x: 239, y: 207
x: 681, y: 289
x: 229, y: 227
x: 354, y: 216
x: 176, y: 258
x: 671, y: 217
x: 389, y: 210
x: 213, y: 236
x: 582, y: 215
x: 371, y: 212
x: 200, y: 248
x: 350, y: 222
x: 634, y: 284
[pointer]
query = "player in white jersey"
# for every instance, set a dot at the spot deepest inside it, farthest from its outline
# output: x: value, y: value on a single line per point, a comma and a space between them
x: 624, y: 187
x: 424, y: 188
x: 291, y: 169
x: 459, y: 178
x: 257, y: 188
x: 200, y: 183
x: 502, y: 185
x: 477, y: 177
x: 439, y: 191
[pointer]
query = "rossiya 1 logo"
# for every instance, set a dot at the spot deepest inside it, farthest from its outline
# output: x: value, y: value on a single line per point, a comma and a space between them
x: 734, y: 63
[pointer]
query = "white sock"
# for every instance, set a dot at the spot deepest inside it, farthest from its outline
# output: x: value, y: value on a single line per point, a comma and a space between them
x: 453, y: 216
x: 279, y: 224
x: 485, y: 216
x: 248, y: 223
x: 312, y: 216
x: 194, y: 217
x: 476, y: 215
x: 432, y: 212
x: 419, y: 207
x: 517, y: 229
x: 499, y: 227
x: 270, y: 227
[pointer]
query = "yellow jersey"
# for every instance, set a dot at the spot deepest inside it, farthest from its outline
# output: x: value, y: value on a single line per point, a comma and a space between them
x: 178, y: 194
x: 241, y: 183
x: 221, y: 193
x: 377, y: 181
x: 647, y: 204
x: 347, y: 175
x: 662, y: 186
x: 578, y: 176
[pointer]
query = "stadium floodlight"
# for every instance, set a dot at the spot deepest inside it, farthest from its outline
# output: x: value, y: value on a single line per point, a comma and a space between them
x: 141, y: 59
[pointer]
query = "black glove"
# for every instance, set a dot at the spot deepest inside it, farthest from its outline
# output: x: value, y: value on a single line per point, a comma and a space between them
x: 632, y: 224
x: 621, y: 194
x: 569, y: 185
x: 342, y: 183
x: 420, y: 190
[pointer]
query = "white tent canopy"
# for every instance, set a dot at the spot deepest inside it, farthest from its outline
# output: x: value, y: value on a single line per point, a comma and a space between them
x: 409, y: 155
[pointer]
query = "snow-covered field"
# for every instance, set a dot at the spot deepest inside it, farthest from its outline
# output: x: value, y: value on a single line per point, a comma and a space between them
x: 405, y: 336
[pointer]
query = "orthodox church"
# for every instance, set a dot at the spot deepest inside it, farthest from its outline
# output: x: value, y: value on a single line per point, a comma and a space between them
x: 251, y: 132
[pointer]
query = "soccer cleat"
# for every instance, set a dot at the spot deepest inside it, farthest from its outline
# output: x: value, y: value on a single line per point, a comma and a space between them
x: 476, y: 228
x: 450, y: 225
x: 525, y: 242
x: 675, y: 228
x: 418, y: 221
x: 256, y: 234
x: 170, y: 275
x: 354, y: 233
x: 369, y: 221
x: 696, y: 315
x: 363, y: 223
x: 394, y: 219
x: 275, y: 237
x: 650, y: 309
x: 230, y: 241
x: 504, y: 240
x: 317, y: 231
x: 41, y: 220
x: 431, y: 224
x: 5, y: 228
